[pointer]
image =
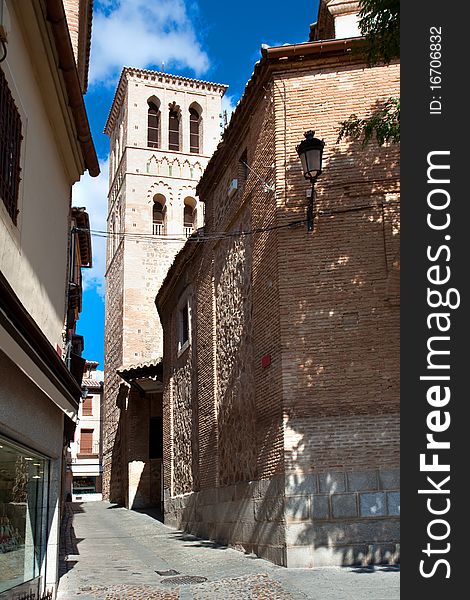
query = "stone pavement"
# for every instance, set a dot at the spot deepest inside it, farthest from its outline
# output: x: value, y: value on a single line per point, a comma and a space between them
x: 110, y: 553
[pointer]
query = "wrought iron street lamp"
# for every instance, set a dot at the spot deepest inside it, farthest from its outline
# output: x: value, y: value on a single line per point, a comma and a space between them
x: 310, y: 152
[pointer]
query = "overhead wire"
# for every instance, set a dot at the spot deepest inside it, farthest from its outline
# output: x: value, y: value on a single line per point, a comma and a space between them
x: 195, y: 237
x: 198, y: 237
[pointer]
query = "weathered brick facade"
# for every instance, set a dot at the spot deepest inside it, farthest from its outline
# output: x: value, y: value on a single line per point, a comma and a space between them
x: 281, y: 411
x: 140, y: 251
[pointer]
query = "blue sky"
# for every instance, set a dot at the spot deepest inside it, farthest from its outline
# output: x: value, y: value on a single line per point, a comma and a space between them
x: 209, y: 40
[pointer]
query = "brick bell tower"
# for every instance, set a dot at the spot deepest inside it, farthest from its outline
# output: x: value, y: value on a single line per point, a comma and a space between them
x: 163, y: 130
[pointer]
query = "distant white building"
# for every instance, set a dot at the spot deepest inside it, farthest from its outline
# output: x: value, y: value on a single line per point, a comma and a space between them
x: 86, y: 450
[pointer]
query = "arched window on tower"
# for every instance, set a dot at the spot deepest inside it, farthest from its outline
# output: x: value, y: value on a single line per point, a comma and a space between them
x: 158, y: 215
x: 153, y: 126
x: 189, y: 216
x: 174, y: 130
x: 194, y: 131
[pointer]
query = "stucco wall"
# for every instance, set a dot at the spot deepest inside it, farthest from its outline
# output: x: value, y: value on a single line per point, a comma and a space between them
x: 33, y: 254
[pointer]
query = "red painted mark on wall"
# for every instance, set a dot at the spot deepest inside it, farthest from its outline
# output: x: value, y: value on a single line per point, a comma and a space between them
x: 266, y: 361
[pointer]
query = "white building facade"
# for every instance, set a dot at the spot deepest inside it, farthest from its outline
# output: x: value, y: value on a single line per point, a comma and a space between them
x: 86, y: 450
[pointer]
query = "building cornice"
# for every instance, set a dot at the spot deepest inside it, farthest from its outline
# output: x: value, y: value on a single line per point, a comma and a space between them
x: 153, y: 76
x: 343, y: 7
x: 82, y: 221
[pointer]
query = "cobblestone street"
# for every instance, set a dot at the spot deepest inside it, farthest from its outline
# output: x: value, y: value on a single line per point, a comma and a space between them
x: 110, y: 553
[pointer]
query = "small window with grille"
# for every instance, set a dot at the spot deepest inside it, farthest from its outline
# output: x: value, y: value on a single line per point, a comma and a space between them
x: 10, y: 149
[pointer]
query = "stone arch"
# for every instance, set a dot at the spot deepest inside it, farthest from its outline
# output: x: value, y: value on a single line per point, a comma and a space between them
x: 159, y: 213
x: 152, y: 165
x: 189, y: 214
x: 187, y: 191
x: 154, y: 100
x: 164, y: 164
x: 186, y: 169
x: 197, y: 171
x: 160, y: 187
x: 176, y: 168
x: 197, y: 107
x: 187, y: 197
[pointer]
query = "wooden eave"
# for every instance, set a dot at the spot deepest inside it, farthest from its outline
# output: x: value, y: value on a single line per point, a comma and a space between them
x: 82, y: 221
x: 55, y: 15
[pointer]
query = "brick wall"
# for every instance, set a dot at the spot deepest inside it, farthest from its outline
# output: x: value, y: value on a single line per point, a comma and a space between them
x: 339, y: 325
x: 339, y: 331
x: 235, y: 404
x: 79, y: 14
x: 114, y: 392
x: 72, y: 13
x: 295, y: 334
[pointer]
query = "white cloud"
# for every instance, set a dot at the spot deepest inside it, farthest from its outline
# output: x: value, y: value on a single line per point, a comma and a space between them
x: 97, y: 375
x: 140, y: 33
x: 91, y: 192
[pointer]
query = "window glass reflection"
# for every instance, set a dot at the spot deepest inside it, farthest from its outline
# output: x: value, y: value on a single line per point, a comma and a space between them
x: 22, y: 511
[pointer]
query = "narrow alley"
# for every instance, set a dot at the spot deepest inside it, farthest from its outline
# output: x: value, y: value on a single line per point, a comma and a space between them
x: 110, y: 553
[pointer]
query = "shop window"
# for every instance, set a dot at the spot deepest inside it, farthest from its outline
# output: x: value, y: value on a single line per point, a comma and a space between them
x: 23, y: 507
x: 84, y: 485
x: 10, y: 146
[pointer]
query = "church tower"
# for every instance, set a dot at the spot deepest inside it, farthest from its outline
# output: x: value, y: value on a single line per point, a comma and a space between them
x: 163, y: 130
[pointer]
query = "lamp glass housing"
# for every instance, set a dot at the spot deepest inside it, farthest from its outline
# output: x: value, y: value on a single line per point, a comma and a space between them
x: 310, y: 151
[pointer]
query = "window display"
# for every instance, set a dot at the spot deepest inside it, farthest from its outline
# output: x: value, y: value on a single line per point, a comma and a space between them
x: 23, y: 477
x: 84, y: 485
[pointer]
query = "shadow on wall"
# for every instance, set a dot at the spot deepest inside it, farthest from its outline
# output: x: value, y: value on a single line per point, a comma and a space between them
x: 135, y: 477
x: 341, y: 392
x: 340, y: 357
x: 118, y: 476
x: 68, y: 540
